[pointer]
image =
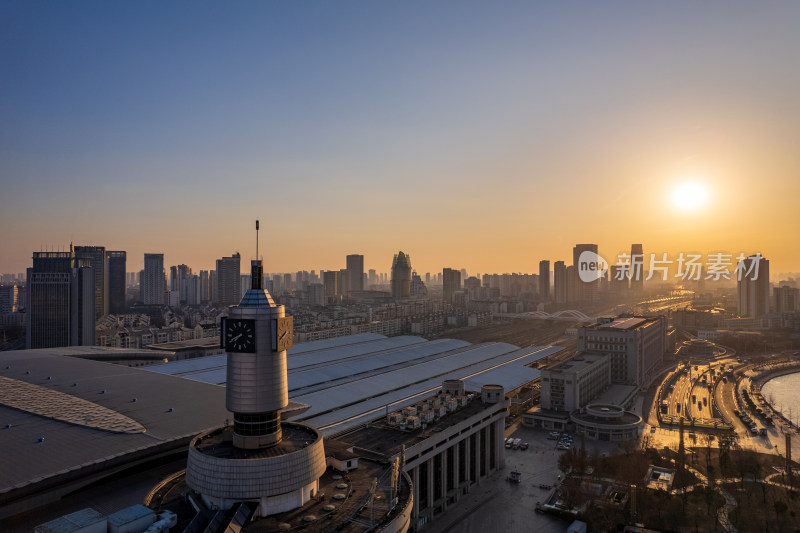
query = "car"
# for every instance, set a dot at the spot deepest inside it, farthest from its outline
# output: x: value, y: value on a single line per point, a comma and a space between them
x: 545, y: 486
x: 652, y: 430
x: 523, y: 446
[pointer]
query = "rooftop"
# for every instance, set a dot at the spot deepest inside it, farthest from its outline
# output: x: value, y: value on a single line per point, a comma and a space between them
x: 578, y: 363
x: 388, y: 440
x: 351, y: 380
x: 623, y: 323
x: 168, y: 409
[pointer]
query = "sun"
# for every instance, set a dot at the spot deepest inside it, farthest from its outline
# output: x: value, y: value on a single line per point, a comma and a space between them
x: 689, y: 196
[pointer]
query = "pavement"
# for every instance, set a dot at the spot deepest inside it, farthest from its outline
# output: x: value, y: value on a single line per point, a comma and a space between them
x: 500, y: 505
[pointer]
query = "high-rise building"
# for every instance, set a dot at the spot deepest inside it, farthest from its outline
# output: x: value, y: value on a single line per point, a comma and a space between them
x: 174, y: 284
x: 315, y: 294
x: 355, y: 272
x: 330, y: 283
x: 544, y: 280
x: 637, y: 268
x: 192, y: 290
x: 619, y: 279
x: 95, y: 258
x: 205, y: 286
x: 116, y: 282
x: 373, y: 277
x: 573, y: 294
x: 401, y: 276
x: 60, y: 301
x: 228, y: 281
x: 153, y: 285
x: 10, y: 299
x: 787, y: 299
x: 753, y: 286
x: 451, y: 282
x: 559, y: 282
x: 585, y: 291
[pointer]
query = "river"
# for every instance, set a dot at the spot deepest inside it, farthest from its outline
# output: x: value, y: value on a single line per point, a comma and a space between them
x: 784, y: 394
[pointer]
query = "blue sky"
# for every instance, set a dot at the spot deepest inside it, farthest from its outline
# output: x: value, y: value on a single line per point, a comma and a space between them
x: 487, y: 135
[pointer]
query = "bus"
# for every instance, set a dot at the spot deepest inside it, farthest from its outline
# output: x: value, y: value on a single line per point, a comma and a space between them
x: 664, y: 406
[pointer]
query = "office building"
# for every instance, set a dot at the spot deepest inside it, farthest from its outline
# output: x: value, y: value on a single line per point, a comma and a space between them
x: 60, y: 301
x: 753, y: 287
x: 637, y: 269
x: 585, y: 292
x: 229, y: 281
x: 355, y: 272
x: 559, y: 282
x: 574, y: 383
x: 153, y: 285
x: 573, y: 289
x: 205, y: 287
x: 401, y: 276
x: 544, y: 281
x: 116, y: 261
x: 635, y: 346
x: 95, y: 257
x: 330, y: 283
x: 451, y: 282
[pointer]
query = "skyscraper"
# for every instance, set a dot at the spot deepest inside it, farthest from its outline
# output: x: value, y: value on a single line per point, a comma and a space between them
x: 560, y: 282
x: 401, y: 276
x: 330, y: 283
x: 451, y: 282
x: 355, y: 272
x: 228, y: 281
x: 60, y: 301
x: 585, y: 291
x: 753, y: 286
x: 153, y: 285
x: 205, y: 286
x: 544, y: 280
x: 637, y: 268
x: 95, y: 257
x: 116, y: 281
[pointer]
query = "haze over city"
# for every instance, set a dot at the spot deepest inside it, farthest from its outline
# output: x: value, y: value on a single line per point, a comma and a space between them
x: 483, y: 136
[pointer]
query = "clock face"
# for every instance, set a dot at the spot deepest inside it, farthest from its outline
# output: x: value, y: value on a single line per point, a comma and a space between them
x: 285, y: 333
x: 240, y: 336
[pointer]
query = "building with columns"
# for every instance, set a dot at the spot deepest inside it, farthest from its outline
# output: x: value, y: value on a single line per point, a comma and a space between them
x: 448, y: 442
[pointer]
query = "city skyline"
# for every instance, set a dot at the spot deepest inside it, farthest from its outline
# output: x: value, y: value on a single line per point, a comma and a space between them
x: 555, y: 124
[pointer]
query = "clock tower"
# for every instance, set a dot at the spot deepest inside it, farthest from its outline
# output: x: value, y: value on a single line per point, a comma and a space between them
x: 256, y: 335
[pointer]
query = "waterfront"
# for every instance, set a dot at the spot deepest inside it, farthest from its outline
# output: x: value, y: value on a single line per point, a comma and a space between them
x: 783, y: 393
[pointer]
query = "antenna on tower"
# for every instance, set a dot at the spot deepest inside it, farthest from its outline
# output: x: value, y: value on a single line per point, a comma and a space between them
x: 257, y: 258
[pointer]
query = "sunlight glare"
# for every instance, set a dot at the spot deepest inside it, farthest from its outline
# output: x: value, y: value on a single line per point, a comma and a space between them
x: 689, y: 196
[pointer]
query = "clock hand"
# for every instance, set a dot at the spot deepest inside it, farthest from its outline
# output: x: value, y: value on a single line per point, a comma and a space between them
x: 236, y: 337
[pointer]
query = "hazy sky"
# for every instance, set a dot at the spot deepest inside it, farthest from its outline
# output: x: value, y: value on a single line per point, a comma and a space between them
x: 482, y: 135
